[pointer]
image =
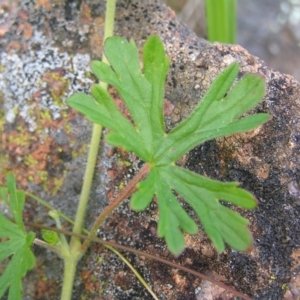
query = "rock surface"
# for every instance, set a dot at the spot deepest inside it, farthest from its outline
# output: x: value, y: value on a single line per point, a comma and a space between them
x: 45, y: 52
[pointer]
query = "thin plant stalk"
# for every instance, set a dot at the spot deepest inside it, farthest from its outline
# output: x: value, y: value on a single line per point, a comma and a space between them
x: 124, y: 194
x: 135, y: 272
x: 221, y: 21
x: 96, y: 135
x: 46, y: 204
x: 71, y: 259
x: 70, y: 264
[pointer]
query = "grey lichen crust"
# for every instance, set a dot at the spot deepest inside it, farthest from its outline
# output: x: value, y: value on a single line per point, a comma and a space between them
x: 40, y: 68
x: 22, y: 79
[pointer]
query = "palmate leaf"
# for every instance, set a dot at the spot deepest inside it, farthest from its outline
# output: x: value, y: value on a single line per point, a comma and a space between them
x: 217, y: 114
x: 16, y: 244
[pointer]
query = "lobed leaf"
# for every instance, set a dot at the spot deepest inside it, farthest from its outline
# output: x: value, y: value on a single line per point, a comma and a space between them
x: 156, y: 66
x: 16, y: 201
x: 16, y: 245
x: 102, y: 110
x: 146, y: 190
x: 218, y: 114
x: 216, y: 92
x: 130, y: 83
x: 176, y: 149
x: 172, y: 218
x: 203, y: 194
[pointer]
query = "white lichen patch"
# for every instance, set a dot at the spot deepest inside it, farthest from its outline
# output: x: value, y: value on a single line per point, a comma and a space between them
x: 22, y: 84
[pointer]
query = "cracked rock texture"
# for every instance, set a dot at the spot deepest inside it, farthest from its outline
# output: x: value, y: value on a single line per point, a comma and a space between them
x: 45, y: 51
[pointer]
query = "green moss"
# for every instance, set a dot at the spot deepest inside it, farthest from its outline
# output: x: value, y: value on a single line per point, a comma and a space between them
x: 2, y: 120
x: 88, y: 75
x: 29, y: 161
x: 123, y: 162
x: 121, y: 186
x: 57, y: 100
x: 46, y: 115
x: 16, y: 111
x: 58, y: 182
x: 43, y: 176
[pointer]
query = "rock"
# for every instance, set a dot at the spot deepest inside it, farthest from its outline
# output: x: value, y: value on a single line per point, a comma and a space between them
x: 46, y: 49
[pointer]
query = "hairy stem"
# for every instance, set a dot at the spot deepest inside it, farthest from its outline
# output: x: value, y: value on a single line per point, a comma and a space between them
x: 70, y: 264
x: 96, y: 135
x: 71, y: 259
x: 124, y: 194
x: 88, y: 178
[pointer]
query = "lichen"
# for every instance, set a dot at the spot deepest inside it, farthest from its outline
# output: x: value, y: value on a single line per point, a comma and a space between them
x: 43, y: 76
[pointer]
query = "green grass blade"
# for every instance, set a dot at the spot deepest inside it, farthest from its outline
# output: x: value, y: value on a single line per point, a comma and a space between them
x: 231, y: 21
x: 221, y: 20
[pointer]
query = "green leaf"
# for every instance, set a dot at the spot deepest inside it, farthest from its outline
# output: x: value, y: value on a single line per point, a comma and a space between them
x: 16, y: 244
x: 146, y: 190
x: 156, y: 66
x: 130, y: 83
x: 50, y: 237
x: 3, y: 194
x: 102, y: 110
x: 218, y: 114
x: 203, y: 195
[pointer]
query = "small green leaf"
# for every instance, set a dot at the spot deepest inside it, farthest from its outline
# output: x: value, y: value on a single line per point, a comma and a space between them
x: 16, y: 202
x: 50, y: 237
x: 16, y: 245
x: 218, y: 114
